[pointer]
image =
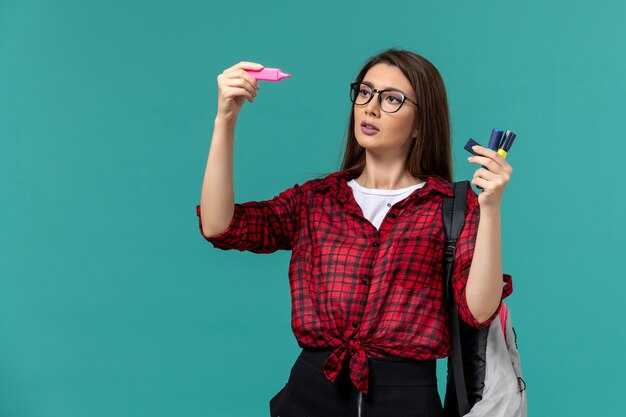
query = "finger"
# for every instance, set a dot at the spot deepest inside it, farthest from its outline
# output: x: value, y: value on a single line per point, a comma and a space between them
x: 491, y: 180
x: 499, y: 159
x: 485, y: 174
x: 243, y: 74
x: 488, y: 162
x: 482, y: 183
x: 241, y: 83
x: 226, y: 86
x: 245, y: 65
x: 232, y: 92
x: 253, y: 81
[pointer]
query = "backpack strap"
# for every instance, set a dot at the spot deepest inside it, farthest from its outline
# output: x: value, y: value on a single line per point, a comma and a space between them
x: 453, y: 219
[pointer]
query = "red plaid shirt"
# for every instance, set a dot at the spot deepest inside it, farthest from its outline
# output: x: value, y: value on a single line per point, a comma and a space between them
x: 362, y: 290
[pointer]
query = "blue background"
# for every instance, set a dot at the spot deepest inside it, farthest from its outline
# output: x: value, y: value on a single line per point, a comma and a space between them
x: 112, y: 303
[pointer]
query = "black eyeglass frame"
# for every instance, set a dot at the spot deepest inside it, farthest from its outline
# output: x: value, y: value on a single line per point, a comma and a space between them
x: 380, y: 97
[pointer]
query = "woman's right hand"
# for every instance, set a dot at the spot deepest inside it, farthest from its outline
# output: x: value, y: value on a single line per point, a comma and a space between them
x: 234, y: 85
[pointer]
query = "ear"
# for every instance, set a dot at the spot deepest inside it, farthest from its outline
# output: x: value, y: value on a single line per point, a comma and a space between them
x: 415, y: 130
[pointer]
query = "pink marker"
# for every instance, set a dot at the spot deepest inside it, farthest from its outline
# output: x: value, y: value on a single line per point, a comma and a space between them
x: 269, y: 74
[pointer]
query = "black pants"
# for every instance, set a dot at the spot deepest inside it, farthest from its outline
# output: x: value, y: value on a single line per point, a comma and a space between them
x: 398, y: 387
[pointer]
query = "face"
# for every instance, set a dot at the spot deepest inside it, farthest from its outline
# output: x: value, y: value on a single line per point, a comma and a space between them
x: 395, y: 130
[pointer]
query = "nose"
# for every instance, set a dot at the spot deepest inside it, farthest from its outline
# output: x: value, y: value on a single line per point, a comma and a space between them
x: 372, y: 106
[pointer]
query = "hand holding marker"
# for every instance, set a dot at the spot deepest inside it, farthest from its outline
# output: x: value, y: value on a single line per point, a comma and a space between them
x: 500, y: 141
x: 239, y: 83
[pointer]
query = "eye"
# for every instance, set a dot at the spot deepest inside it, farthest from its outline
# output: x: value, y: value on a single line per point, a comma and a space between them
x: 364, y: 92
x: 393, y: 97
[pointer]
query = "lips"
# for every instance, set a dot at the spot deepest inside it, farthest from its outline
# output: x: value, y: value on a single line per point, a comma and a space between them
x: 369, y: 125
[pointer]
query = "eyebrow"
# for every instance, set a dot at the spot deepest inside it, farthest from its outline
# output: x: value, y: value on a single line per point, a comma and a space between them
x: 385, y: 88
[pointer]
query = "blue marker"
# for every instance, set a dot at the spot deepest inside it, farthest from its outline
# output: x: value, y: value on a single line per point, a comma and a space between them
x: 494, y: 140
x: 506, y: 144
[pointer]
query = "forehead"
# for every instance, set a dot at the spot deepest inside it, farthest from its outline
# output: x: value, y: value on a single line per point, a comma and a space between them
x: 387, y: 76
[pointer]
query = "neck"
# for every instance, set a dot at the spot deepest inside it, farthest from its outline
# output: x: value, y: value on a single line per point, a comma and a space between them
x: 386, y: 178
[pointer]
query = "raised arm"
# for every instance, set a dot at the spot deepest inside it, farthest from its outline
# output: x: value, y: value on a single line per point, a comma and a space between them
x: 217, y: 202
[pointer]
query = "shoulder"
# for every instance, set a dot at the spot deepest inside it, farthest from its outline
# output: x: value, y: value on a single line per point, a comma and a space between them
x: 326, y: 181
x: 301, y: 189
x: 471, y: 198
x: 471, y: 202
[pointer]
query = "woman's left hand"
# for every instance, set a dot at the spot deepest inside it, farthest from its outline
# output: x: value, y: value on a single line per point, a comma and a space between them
x: 492, y: 180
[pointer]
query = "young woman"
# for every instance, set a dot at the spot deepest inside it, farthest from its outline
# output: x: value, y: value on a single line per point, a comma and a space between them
x: 367, y: 243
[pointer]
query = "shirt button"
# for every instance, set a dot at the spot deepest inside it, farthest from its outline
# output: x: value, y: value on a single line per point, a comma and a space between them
x: 388, y: 204
x: 375, y: 244
x: 355, y: 324
x: 364, y: 281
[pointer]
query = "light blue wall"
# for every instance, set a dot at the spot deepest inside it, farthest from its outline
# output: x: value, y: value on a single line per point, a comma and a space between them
x: 112, y: 303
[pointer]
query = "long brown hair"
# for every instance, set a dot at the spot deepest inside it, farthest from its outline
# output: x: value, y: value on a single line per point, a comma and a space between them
x: 430, y: 152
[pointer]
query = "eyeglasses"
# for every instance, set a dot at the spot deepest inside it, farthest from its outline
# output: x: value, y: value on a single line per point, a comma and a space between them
x: 389, y: 101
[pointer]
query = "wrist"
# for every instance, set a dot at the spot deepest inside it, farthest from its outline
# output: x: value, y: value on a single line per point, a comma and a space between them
x: 490, y: 209
x: 224, y: 122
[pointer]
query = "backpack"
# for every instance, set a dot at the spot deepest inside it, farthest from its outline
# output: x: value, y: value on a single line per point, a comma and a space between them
x: 487, y: 359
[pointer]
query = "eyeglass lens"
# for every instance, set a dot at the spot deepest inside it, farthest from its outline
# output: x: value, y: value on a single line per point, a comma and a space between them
x: 390, y: 100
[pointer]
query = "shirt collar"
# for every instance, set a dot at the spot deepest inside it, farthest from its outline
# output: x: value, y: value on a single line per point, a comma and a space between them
x: 337, y: 180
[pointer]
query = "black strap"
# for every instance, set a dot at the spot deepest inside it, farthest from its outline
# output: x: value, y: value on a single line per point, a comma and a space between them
x: 453, y: 219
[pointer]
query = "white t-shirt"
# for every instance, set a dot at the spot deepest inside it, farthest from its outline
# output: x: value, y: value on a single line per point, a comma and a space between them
x: 375, y: 202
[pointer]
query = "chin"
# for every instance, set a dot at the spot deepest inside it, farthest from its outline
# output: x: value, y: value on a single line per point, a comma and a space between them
x: 362, y: 138
x: 372, y: 144
x: 365, y: 142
